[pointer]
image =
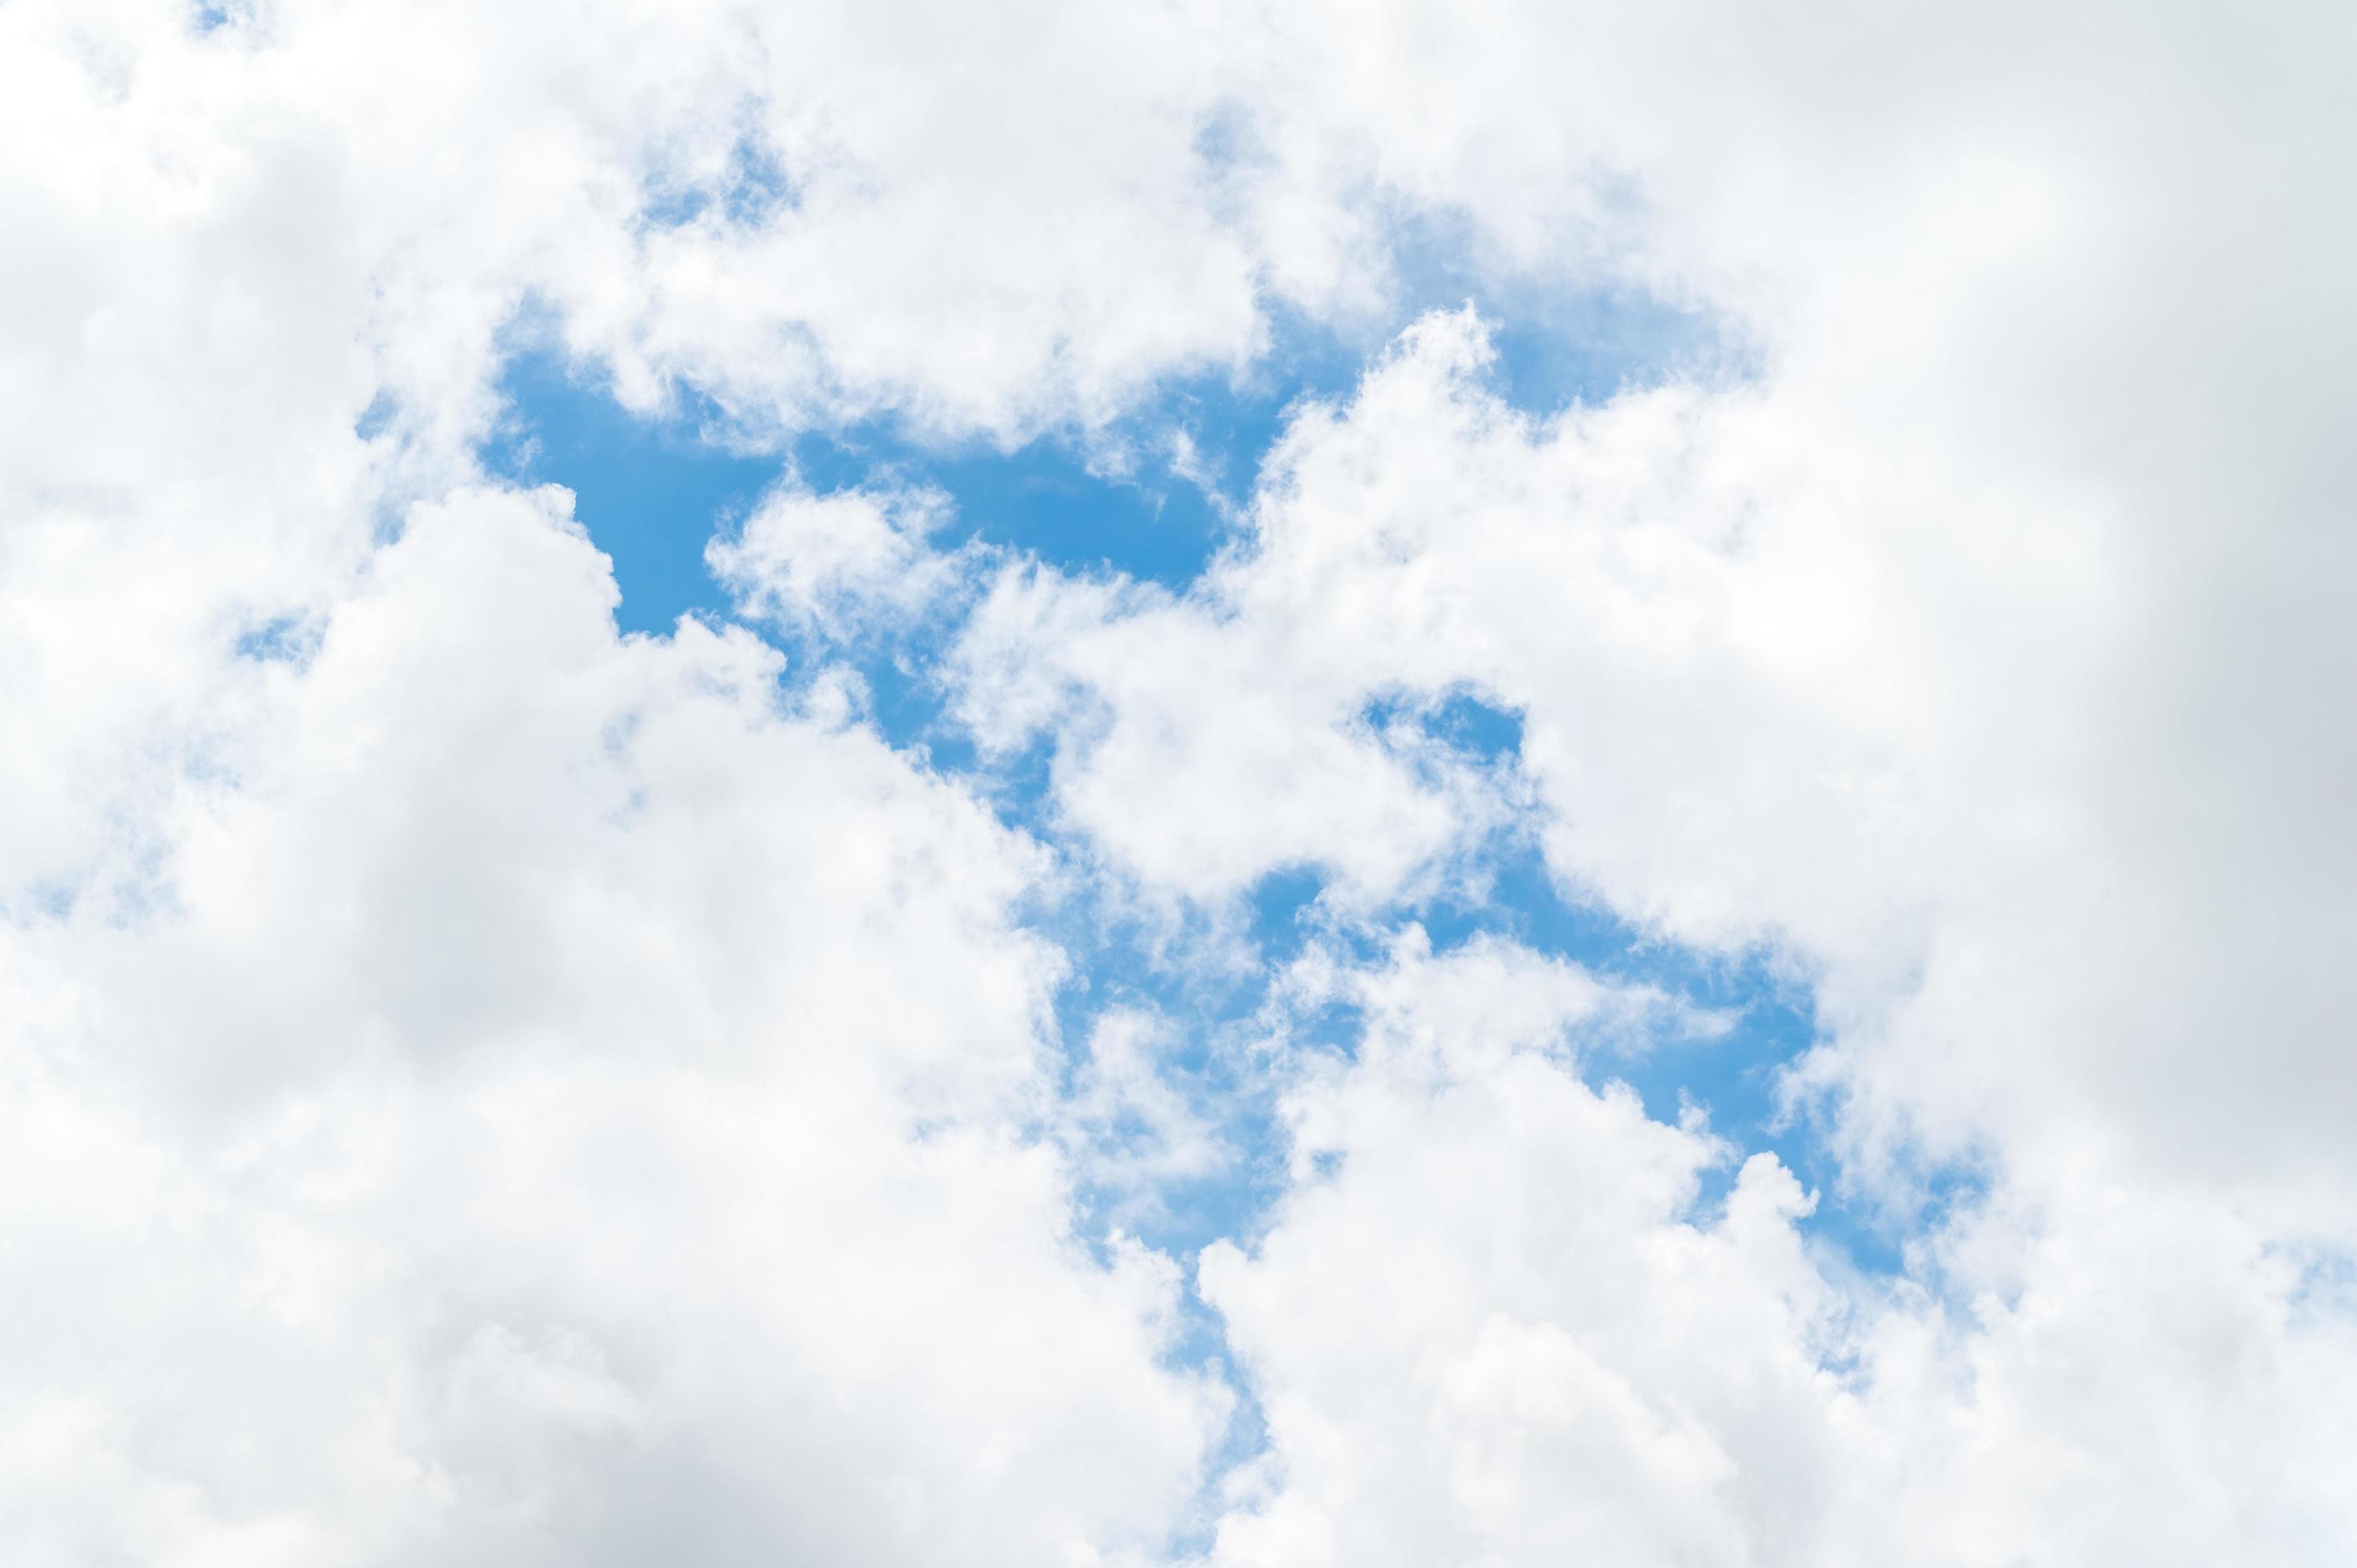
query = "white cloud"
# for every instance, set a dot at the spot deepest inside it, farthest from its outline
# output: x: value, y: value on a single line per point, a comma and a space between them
x: 1133, y: 1126
x: 1286, y: 772
x: 833, y: 562
x: 1772, y: 687
x: 480, y: 1088
x: 565, y: 1105
x: 1496, y: 1322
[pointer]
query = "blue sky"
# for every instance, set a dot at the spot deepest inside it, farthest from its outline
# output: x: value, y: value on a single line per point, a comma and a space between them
x: 652, y: 491
x: 486, y: 1079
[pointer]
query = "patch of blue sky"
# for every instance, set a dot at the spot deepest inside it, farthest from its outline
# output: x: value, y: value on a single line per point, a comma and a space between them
x: 1192, y: 971
x: 1762, y: 1011
x: 652, y: 492
x: 1050, y: 499
x: 283, y: 639
x: 1121, y: 960
x: 1557, y: 345
x: 747, y: 190
x: 2323, y: 1280
x: 377, y: 418
x: 1733, y: 1074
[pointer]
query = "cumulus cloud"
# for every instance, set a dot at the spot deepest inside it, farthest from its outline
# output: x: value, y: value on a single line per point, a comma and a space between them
x: 831, y: 562
x: 1501, y: 1318
x: 478, y: 1088
x: 571, y: 1108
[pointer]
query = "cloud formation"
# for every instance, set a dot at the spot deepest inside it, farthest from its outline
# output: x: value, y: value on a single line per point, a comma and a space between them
x: 477, y: 1087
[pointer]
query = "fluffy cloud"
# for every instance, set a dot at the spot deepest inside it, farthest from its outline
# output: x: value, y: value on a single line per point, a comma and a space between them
x: 476, y: 1088
x: 831, y: 562
x: 566, y: 1106
x: 1500, y: 1320
x: 1754, y: 709
x: 1774, y: 686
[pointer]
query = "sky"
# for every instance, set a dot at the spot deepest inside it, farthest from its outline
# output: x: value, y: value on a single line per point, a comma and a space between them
x: 1176, y: 787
